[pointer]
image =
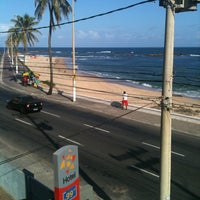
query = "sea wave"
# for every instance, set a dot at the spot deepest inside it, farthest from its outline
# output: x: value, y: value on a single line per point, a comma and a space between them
x: 194, y: 55
x: 142, y: 85
x: 104, y: 52
x: 189, y: 93
x: 89, y: 56
x: 147, y: 85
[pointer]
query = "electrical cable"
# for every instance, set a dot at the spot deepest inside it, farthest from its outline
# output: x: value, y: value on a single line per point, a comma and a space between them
x: 86, y: 18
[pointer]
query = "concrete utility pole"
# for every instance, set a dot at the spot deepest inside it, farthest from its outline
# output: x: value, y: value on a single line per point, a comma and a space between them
x: 73, y: 57
x: 172, y: 7
x: 165, y: 175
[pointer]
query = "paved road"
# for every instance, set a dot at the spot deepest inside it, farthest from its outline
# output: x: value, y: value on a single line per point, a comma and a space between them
x: 118, y: 150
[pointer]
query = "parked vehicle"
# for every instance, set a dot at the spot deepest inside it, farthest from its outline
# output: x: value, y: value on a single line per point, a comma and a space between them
x: 25, y: 104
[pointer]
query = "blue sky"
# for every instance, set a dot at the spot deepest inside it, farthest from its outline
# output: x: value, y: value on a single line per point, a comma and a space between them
x: 140, y: 26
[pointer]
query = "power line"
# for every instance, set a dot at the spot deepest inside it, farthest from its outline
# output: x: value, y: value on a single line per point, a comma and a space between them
x: 86, y: 18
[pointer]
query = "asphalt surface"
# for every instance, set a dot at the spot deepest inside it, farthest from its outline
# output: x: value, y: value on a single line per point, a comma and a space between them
x: 185, y: 124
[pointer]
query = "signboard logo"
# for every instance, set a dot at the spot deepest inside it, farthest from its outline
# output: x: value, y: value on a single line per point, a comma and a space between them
x: 68, y: 161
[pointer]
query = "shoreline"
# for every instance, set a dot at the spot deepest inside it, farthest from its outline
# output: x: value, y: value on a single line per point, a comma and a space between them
x: 133, y: 85
x: 102, y: 88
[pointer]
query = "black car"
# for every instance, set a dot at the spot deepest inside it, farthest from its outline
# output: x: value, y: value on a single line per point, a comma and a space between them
x: 25, y: 104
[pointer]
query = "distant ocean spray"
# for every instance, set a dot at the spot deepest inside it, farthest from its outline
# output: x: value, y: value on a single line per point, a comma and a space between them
x: 138, y: 67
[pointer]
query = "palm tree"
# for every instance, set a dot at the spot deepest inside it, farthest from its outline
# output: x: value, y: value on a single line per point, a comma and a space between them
x: 25, y: 26
x: 55, y: 8
x: 22, y: 32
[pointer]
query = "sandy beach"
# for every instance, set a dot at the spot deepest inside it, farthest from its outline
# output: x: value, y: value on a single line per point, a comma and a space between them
x: 94, y: 87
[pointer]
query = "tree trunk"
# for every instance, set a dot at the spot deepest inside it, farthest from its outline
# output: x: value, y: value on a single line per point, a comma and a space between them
x: 50, y: 60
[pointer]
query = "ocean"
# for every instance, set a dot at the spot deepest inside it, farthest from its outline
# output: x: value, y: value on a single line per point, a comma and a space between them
x: 137, y: 67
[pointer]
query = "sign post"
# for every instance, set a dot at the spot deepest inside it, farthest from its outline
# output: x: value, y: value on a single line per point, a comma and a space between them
x: 66, y: 173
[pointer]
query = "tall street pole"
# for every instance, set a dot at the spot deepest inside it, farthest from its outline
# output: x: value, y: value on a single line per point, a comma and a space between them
x: 165, y: 174
x: 73, y: 57
x: 11, y: 51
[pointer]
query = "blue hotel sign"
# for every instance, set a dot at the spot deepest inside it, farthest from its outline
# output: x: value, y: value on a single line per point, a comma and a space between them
x: 70, y: 194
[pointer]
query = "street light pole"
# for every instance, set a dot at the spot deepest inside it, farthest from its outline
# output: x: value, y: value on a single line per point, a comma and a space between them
x: 165, y: 174
x: 11, y: 51
x: 73, y: 57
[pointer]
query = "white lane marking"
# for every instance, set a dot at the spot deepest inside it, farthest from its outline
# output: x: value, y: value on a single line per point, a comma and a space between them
x: 48, y: 113
x: 156, y: 147
x: 99, y: 129
x: 151, y: 145
x: 145, y: 171
x: 27, y: 123
x: 72, y: 141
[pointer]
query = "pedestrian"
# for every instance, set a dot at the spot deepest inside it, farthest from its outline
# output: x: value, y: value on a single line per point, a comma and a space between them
x: 24, y: 80
x: 125, y: 100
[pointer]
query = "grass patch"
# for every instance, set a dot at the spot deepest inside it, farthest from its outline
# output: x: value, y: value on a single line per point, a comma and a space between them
x: 48, y: 83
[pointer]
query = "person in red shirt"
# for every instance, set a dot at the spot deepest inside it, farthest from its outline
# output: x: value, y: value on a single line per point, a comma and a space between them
x: 125, y: 100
